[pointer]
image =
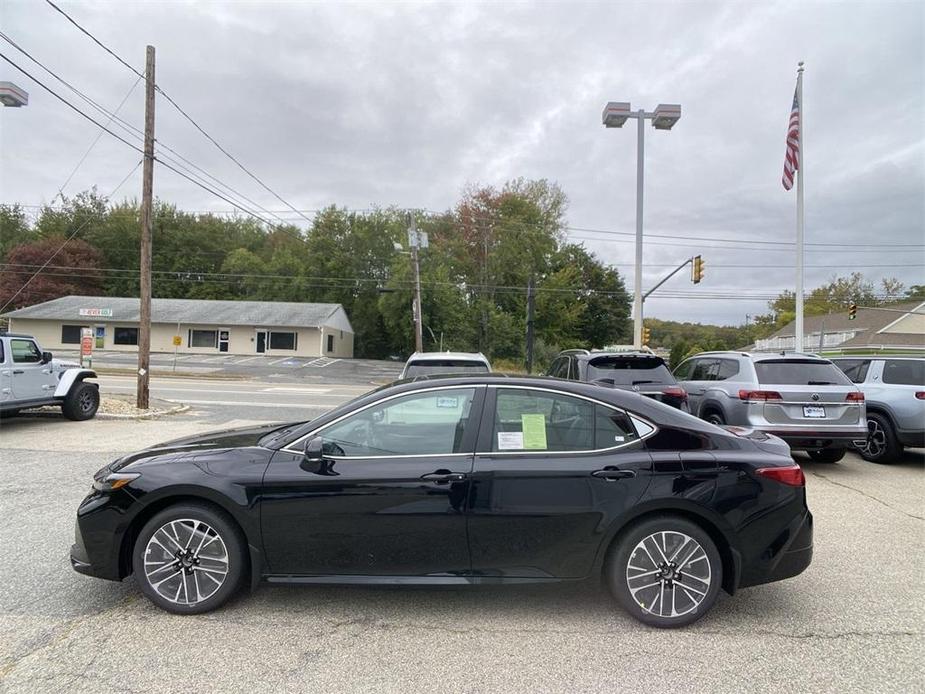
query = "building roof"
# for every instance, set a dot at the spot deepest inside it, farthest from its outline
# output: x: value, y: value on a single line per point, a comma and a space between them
x: 189, y: 311
x: 868, y: 321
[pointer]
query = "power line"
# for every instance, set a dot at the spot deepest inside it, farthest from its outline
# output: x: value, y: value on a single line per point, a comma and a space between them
x: 177, y: 106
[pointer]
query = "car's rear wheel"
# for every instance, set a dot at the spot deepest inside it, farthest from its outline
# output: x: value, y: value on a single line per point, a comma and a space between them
x: 82, y: 402
x: 827, y: 455
x: 665, y: 571
x: 716, y: 418
x: 189, y: 559
x: 881, y: 445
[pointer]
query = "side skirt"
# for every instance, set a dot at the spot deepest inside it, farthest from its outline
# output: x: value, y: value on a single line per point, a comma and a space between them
x: 433, y: 580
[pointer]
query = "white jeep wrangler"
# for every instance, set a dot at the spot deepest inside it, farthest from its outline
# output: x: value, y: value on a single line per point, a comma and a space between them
x: 30, y: 377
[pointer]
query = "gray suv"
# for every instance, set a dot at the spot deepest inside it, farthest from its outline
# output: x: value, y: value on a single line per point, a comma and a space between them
x: 802, y: 398
x: 894, y: 389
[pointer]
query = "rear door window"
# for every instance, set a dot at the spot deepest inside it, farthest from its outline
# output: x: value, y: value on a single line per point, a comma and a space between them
x: 907, y: 372
x: 800, y: 372
x: 854, y: 369
x: 727, y: 369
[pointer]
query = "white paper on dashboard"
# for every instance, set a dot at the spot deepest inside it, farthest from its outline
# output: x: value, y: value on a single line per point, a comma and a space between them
x: 510, y: 440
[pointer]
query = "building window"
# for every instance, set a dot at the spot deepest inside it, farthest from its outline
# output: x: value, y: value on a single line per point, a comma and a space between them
x: 125, y: 336
x: 70, y: 334
x: 202, y: 338
x: 330, y: 343
x: 282, y: 340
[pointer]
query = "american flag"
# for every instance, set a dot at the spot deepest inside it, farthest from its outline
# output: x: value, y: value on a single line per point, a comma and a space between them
x: 792, y: 158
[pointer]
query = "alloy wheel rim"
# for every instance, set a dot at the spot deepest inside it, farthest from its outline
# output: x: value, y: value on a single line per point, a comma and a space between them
x: 876, y: 439
x: 86, y: 402
x: 669, y: 574
x: 186, y: 561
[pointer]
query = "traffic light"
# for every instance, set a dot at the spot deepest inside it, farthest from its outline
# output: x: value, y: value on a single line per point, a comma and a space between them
x: 697, y: 269
x: 852, y: 311
x: 645, y: 335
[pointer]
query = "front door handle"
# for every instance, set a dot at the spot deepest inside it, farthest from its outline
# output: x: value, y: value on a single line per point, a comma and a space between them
x: 439, y: 476
x: 18, y: 371
x: 612, y: 473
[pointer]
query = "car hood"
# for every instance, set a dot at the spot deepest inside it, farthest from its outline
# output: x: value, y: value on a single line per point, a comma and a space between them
x: 192, y: 447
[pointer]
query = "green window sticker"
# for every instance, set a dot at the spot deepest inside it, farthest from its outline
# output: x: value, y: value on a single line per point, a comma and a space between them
x: 534, y: 429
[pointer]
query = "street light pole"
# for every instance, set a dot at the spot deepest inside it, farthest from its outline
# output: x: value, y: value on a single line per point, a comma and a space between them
x: 640, y: 176
x: 616, y: 113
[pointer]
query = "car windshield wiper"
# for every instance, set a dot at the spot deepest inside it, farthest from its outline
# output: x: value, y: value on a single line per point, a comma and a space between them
x: 820, y: 383
x: 636, y: 383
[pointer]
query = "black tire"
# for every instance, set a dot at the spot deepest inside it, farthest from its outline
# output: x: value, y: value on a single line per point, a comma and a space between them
x: 714, y: 417
x: 704, y: 561
x: 7, y: 414
x: 827, y: 455
x: 882, y: 446
x: 194, y: 573
x: 82, y: 402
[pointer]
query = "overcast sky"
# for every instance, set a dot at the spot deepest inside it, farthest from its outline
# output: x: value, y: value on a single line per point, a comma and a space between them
x: 379, y: 104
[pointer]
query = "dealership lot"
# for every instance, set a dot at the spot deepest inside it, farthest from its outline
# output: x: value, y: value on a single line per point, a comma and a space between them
x: 852, y: 622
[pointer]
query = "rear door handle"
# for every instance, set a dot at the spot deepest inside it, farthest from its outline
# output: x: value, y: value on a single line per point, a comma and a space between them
x: 444, y: 476
x: 613, y: 474
x: 18, y: 371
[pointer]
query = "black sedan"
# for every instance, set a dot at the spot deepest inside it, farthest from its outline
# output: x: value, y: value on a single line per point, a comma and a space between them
x: 459, y: 480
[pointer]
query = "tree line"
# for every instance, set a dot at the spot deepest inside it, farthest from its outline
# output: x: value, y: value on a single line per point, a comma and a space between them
x: 482, y: 255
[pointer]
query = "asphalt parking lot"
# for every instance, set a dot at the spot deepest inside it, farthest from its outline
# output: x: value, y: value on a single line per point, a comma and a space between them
x: 852, y: 622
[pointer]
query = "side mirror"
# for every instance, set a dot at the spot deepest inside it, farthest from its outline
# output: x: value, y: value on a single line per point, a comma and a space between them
x: 46, y: 357
x: 314, y: 452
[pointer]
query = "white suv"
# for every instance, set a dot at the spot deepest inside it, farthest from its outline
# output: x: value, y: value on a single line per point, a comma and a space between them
x: 30, y: 378
x: 432, y: 363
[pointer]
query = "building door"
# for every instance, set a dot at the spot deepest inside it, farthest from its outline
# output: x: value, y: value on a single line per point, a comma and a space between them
x: 261, y: 341
x: 223, y: 340
x: 100, y: 341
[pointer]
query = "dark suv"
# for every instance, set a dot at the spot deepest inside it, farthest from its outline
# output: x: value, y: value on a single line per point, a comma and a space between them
x: 641, y: 371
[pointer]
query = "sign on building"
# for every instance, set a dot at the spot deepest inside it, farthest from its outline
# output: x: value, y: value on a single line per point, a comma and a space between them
x: 96, y: 312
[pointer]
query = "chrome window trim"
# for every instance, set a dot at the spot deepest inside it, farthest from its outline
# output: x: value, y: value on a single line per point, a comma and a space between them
x: 631, y: 415
x: 315, y: 432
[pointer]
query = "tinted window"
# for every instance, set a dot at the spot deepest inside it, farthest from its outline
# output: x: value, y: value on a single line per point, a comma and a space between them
x: 70, y: 334
x: 202, y: 338
x: 855, y: 369
x: 909, y: 372
x: 428, y: 423
x: 445, y: 366
x: 528, y: 420
x: 683, y: 372
x: 705, y: 370
x: 558, y: 368
x: 795, y: 372
x: 629, y: 370
x: 25, y: 352
x: 727, y: 369
x: 125, y: 336
x: 288, y: 341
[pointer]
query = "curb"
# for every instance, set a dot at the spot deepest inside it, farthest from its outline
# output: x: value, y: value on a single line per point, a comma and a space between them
x: 146, y: 415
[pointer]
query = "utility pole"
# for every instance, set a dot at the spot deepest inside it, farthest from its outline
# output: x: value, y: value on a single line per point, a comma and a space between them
x: 415, y: 242
x: 530, y: 307
x: 147, y: 193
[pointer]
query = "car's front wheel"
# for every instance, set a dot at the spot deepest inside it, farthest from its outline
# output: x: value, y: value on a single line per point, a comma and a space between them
x: 665, y: 571
x: 881, y: 445
x: 82, y: 402
x: 189, y: 559
x: 827, y: 455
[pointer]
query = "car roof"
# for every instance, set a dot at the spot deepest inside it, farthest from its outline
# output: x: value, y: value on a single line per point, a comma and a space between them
x: 6, y: 334
x: 440, y: 356
x: 618, y: 355
x: 761, y: 356
x: 853, y: 357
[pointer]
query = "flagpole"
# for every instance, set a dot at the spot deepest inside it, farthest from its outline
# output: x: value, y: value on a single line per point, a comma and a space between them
x: 798, y: 326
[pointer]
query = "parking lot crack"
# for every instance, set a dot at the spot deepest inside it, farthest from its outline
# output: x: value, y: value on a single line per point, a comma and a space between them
x: 863, y: 493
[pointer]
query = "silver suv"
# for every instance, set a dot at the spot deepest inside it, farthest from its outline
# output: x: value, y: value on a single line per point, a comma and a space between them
x: 894, y: 389
x: 30, y: 378
x: 802, y: 398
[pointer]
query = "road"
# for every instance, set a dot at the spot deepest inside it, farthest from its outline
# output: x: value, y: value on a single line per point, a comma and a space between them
x: 853, y: 622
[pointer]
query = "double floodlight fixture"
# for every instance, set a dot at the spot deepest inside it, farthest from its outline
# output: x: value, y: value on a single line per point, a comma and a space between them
x: 664, y: 117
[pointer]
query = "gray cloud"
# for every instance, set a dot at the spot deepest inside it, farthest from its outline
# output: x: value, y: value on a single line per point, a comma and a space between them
x: 379, y: 104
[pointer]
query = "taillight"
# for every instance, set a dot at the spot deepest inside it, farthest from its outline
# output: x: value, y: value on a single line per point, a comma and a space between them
x: 920, y: 395
x: 789, y: 474
x: 856, y: 396
x: 759, y: 395
x: 675, y: 392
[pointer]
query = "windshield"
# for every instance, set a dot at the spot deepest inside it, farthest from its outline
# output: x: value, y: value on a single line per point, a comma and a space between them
x: 630, y: 371
x: 792, y: 372
x: 445, y: 366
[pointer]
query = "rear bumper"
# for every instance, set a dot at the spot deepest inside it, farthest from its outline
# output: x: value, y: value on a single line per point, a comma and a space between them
x: 788, y: 556
x: 816, y: 439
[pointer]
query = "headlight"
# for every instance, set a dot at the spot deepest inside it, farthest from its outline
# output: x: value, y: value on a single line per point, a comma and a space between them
x: 114, y: 480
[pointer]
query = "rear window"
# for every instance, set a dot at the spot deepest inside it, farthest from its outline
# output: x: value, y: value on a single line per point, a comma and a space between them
x: 629, y: 371
x: 445, y: 366
x: 907, y: 372
x: 795, y: 372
